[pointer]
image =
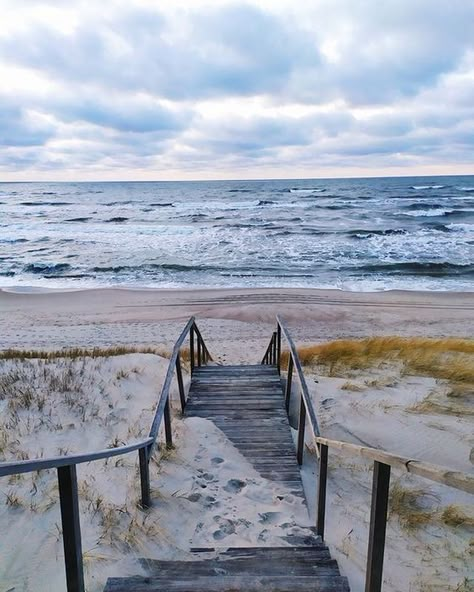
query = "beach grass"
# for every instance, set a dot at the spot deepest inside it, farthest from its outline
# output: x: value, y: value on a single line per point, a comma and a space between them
x: 80, y: 352
x: 449, y: 358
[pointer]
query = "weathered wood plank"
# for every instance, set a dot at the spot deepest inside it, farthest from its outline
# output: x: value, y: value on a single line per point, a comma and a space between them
x: 227, y: 583
x: 248, y: 405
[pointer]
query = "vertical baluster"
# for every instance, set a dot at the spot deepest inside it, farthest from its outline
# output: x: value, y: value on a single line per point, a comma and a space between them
x: 301, y: 428
x: 179, y: 377
x: 289, y: 379
x: 199, y: 354
x: 69, y: 502
x: 322, y: 481
x: 278, y: 348
x: 274, y: 349
x: 143, y: 457
x: 191, y: 348
x: 378, y: 526
x: 167, y: 417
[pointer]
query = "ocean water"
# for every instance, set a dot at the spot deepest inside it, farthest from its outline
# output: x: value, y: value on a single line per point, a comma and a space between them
x: 352, y: 234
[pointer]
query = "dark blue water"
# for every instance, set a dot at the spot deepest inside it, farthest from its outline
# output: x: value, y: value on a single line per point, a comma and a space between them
x: 353, y: 234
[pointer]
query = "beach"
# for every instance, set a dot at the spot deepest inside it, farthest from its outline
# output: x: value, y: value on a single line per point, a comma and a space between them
x: 102, y: 400
x: 229, y: 317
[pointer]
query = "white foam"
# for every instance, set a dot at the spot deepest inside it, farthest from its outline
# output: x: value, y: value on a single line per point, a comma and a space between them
x: 461, y: 227
x: 428, y: 186
x: 307, y: 191
x: 430, y: 212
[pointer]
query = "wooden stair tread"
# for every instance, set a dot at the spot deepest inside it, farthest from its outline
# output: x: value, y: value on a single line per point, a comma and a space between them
x: 249, y: 569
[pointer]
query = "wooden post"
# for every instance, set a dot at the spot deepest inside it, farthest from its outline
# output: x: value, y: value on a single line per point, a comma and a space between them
x: 167, y: 415
x: 69, y: 502
x: 199, y: 355
x: 278, y: 348
x: 322, y: 481
x: 144, y: 476
x: 274, y: 349
x: 378, y: 526
x: 179, y: 377
x: 301, y: 427
x: 289, y: 379
x: 191, y: 348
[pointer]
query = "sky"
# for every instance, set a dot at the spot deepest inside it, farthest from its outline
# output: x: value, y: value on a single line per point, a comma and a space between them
x: 191, y: 89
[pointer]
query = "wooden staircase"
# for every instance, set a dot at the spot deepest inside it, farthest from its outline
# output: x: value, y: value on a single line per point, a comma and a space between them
x: 259, y: 569
x: 247, y: 404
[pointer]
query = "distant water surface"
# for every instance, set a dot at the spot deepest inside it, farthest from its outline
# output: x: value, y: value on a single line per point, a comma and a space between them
x: 353, y: 234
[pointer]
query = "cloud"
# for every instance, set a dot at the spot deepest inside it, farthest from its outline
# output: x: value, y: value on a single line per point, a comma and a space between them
x: 201, y: 86
x: 18, y: 127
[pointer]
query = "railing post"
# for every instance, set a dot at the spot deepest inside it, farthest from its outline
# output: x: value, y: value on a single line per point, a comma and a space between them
x: 274, y: 348
x: 322, y: 481
x: 278, y: 348
x: 301, y: 427
x: 69, y: 502
x: 179, y: 377
x: 143, y: 457
x: 199, y: 346
x: 167, y: 417
x: 378, y: 526
x: 289, y: 379
x: 191, y: 348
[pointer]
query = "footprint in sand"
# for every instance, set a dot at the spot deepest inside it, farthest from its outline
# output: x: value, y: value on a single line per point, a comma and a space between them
x: 235, y: 485
x: 269, y: 517
x: 217, y: 460
x: 226, y: 527
x: 194, y: 497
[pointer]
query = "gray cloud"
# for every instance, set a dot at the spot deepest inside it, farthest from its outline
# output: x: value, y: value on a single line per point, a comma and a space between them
x: 333, y: 82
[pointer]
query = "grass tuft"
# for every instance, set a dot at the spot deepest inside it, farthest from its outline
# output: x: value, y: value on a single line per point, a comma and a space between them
x: 352, y: 386
x: 411, y: 506
x: 455, y: 516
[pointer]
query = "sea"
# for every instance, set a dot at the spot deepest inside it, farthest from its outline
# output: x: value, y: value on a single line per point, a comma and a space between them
x: 351, y: 234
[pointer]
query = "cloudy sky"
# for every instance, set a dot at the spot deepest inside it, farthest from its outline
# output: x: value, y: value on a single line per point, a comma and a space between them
x: 191, y: 89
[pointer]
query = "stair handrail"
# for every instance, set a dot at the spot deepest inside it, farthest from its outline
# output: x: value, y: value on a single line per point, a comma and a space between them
x: 66, y: 465
x: 273, y: 356
x: 382, y: 463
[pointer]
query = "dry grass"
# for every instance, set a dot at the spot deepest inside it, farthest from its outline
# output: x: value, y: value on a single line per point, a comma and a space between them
x: 449, y: 358
x: 457, y: 399
x: 79, y: 352
x: 412, y: 507
x: 417, y: 507
x: 456, y: 516
x: 352, y: 386
x: 466, y: 586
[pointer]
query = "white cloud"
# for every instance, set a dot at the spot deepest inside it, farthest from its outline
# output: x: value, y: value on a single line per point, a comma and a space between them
x: 223, y: 88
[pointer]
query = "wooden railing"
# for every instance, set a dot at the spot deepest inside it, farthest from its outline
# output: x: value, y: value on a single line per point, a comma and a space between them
x: 383, y: 462
x: 306, y: 409
x: 66, y: 465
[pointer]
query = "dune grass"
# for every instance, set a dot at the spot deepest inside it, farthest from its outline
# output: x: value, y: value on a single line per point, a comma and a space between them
x: 412, y: 507
x: 80, y: 352
x: 449, y: 358
x: 417, y: 507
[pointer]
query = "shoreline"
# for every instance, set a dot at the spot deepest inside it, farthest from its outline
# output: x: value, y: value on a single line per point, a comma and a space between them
x: 20, y: 289
x: 154, y: 317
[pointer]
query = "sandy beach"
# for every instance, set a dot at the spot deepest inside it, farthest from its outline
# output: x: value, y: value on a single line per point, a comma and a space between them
x: 385, y: 405
x: 228, y: 317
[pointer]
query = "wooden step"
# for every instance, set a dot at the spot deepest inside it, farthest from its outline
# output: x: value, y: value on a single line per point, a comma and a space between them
x: 323, y: 583
x: 265, y: 569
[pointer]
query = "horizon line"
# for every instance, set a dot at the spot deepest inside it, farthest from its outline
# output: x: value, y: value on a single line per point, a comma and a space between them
x: 219, y: 180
